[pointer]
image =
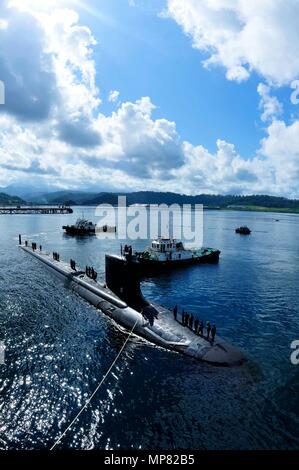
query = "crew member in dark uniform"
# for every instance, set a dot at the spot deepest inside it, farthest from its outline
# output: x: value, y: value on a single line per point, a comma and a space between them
x: 196, y: 323
x: 208, y: 329
x: 187, y: 316
x: 191, y: 322
x: 183, y: 317
x: 213, y: 332
x: 175, y: 312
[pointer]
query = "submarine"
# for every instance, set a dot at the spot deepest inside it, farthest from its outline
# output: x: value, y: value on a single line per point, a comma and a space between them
x: 120, y: 298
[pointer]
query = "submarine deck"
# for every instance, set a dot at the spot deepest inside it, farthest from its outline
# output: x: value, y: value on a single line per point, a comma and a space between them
x: 217, y: 352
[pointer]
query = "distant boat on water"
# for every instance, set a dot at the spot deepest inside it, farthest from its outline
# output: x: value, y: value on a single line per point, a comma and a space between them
x: 244, y: 230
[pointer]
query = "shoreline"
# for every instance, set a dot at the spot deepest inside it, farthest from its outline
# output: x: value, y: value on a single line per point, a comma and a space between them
x: 275, y: 210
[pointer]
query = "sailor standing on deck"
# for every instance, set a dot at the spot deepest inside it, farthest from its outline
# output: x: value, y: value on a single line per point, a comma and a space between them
x: 196, y: 324
x: 191, y: 322
x: 175, y: 312
x: 187, y: 316
x: 208, y: 329
x: 200, y: 328
x: 183, y: 317
x: 213, y: 332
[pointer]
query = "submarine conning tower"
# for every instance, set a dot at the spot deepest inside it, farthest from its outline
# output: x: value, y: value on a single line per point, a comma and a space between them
x: 123, y: 279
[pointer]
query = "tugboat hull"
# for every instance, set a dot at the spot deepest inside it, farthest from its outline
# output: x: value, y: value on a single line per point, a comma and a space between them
x: 145, y: 265
x: 243, y: 231
x: 72, y: 230
x: 211, y: 258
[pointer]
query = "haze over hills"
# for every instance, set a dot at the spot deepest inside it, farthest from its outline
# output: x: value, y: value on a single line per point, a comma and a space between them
x: 45, y: 195
x: 29, y: 193
x: 63, y: 197
x: 6, y: 199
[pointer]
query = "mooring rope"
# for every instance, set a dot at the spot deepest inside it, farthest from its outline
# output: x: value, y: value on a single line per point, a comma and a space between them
x: 95, y: 391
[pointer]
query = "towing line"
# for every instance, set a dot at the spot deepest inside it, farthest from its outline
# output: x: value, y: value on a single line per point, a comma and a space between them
x: 95, y: 391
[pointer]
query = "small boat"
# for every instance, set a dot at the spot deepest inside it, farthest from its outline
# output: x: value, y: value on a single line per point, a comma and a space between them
x: 244, y: 230
x: 85, y: 227
x: 81, y: 227
x: 169, y: 252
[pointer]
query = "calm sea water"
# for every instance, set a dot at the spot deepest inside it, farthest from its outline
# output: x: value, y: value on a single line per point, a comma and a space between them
x: 58, y: 347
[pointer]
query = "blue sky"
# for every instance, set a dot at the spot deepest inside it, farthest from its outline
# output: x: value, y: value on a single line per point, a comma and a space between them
x: 175, y: 122
x: 157, y: 61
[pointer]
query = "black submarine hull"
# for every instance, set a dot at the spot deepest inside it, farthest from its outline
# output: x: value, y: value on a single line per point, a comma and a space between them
x: 122, y: 300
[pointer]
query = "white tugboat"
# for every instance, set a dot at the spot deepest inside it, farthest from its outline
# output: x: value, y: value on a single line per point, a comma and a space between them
x: 168, y: 252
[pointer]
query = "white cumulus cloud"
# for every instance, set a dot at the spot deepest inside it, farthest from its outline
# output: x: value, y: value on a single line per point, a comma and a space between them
x: 269, y: 105
x: 281, y: 149
x: 113, y: 96
x: 52, y: 128
x: 244, y: 36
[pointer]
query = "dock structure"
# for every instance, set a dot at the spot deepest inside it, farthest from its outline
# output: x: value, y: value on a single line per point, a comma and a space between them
x: 40, y: 209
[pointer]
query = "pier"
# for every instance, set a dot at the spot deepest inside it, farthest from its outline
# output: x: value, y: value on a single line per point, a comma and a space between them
x: 40, y: 209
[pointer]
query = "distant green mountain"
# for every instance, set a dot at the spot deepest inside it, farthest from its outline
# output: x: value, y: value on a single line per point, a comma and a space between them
x: 212, y: 201
x: 6, y: 200
x: 254, y: 202
x: 63, y: 197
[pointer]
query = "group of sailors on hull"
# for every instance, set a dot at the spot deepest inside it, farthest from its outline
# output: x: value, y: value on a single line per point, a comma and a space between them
x: 196, y: 325
x: 89, y: 270
x: 91, y: 273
